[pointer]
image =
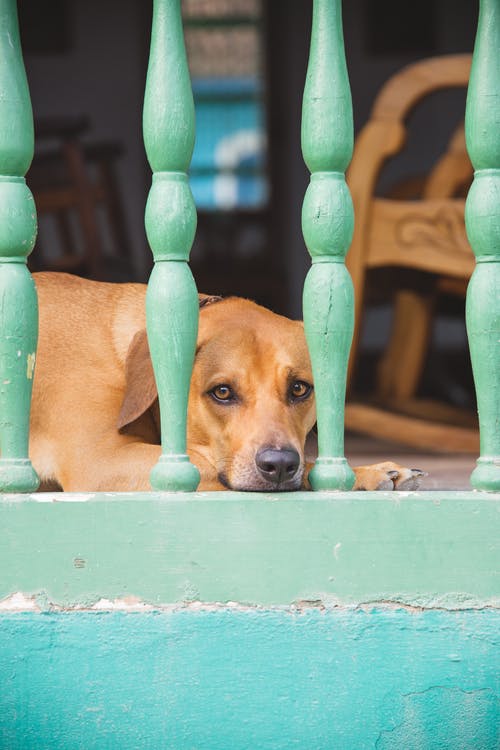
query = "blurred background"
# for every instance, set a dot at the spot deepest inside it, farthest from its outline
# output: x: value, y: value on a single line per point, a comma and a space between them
x: 86, y: 63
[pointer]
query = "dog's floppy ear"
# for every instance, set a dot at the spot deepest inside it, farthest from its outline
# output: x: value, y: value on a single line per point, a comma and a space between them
x: 140, y: 384
x: 208, y: 299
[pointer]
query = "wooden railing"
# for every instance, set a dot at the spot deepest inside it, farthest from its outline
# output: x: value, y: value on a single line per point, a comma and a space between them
x: 327, y: 139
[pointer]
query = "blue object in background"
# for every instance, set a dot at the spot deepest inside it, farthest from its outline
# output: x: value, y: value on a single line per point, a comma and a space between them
x: 228, y: 165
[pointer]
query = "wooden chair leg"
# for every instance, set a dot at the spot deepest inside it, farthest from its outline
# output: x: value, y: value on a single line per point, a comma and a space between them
x: 381, y: 423
x: 401, y: 366
x: 64, y: 226
x: 114, y: 208
x: 86, y: 207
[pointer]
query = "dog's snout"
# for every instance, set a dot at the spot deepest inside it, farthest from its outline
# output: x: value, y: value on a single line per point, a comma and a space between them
x: 277, y: 465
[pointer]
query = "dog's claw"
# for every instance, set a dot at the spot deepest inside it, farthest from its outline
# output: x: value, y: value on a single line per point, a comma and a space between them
x: 410, y: 479
x: 387, y: 483
x: 388, y: 476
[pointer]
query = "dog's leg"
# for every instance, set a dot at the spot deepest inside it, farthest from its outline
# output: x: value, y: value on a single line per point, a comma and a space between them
x: 387, y: 476
x: 382, y: 476
x: 122, y: 467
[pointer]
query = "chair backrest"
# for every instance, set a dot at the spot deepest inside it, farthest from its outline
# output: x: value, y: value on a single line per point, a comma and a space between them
x: 452, y: 174
x: 427, y: 234
x: 381, y: 138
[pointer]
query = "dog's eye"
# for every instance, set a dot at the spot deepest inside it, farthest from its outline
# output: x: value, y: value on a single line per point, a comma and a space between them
x: 222, y: 392
x: 300, y: 390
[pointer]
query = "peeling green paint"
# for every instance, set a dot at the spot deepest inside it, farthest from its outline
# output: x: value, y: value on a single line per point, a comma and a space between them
x: 30, y: 365
x: 170, y: 219
x: 482, y: 220
x: 327, y: 223
x: 423, y: 549
x: 18, y: 226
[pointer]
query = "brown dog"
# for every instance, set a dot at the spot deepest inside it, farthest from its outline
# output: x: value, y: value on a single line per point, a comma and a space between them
x: 94, y: 421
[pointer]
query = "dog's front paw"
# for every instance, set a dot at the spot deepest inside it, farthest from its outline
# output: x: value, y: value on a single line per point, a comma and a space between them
x: 387, y: 476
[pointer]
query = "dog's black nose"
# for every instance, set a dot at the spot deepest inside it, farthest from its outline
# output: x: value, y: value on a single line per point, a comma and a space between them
x: 277, y: 464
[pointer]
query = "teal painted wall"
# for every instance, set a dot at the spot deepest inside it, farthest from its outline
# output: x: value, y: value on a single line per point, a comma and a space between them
x: 341, y: 679
x: 269, y: 672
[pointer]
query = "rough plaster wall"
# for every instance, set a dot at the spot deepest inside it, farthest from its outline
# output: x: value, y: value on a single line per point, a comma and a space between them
x: 236, y: 680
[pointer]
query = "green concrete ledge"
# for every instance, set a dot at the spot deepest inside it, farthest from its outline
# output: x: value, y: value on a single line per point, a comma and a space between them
x: 422, y: 549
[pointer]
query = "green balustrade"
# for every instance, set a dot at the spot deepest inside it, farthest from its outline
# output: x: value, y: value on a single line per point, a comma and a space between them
x: 482, y: 217
x: 18, y: 299
x: 327, y: 222
x: 171, y: 301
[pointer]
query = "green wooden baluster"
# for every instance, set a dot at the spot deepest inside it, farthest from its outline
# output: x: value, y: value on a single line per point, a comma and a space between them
x: 18, y: 300
x: 482, y: 217
x: 327, y: 223
x: 171, y: 301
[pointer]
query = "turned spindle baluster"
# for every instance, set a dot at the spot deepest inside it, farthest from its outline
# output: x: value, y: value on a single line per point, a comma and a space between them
x: 327, y: 222
x: 18, y: 299
x: 482, y: 217
x: 172, y: 301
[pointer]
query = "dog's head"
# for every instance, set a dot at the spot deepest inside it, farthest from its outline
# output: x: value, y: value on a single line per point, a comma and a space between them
x: 251, y: 401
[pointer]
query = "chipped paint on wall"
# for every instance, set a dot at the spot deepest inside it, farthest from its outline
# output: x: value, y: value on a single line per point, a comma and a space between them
x: 30, y: 365
x: 220, y: 547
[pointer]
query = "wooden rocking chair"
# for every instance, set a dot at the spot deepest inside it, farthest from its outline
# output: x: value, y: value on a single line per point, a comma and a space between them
x: 427, y: 234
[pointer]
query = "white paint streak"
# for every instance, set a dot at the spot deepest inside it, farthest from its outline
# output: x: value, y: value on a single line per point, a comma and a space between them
x: 127, y: 604
x: 73, y: 497
x: 61, y: 497
x: 336, y: 550
x: 30, y: 365
x: 19, y: 602
x: 43, y: 497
